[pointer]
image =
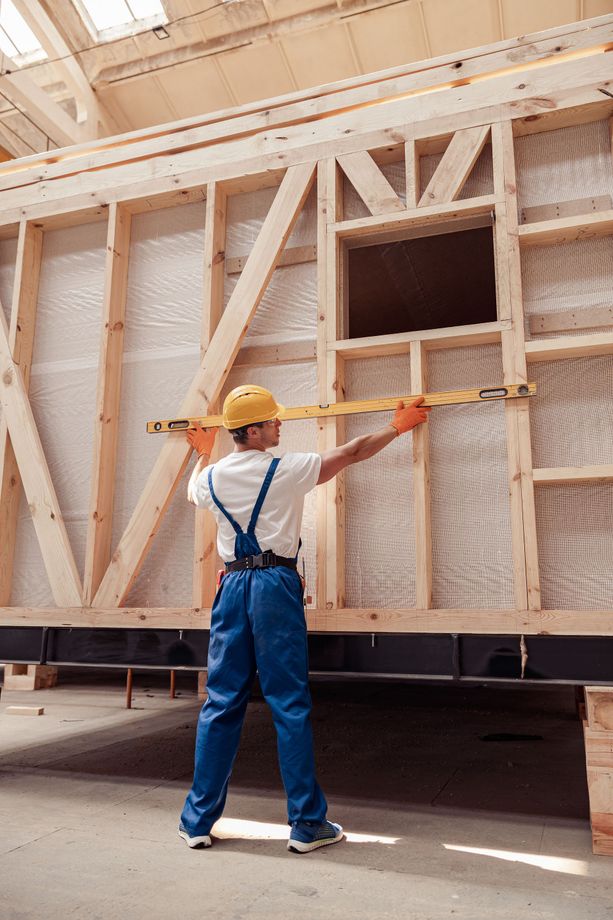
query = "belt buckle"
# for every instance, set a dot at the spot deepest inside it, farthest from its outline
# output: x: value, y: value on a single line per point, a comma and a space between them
x: 268, y: 558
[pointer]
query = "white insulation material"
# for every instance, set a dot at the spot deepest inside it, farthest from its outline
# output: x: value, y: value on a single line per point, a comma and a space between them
x: 288, y: 309
x: 563, y: 165
x: 379, y: 531
x: 8, y: 256
x: 479, y: 182
x: 555, y: 167
x: 162, y: 353
x: 292, y: 385
x: 63, y: 392
x: 471, y: 523
x: 574, y: 524
x: 575, y: 400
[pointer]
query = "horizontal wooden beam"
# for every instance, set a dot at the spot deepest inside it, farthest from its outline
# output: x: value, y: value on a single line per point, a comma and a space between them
x: 399, y: 343
x: 589, y: 318
x: 449, y: 70
x: 293, y: 255
x: 577, y: 206
x: 556, y: 476
x: 298, y: 352
x: 414, y: 218
x: 566, y: 229
x: 570, y: 346
x: 345, y: 620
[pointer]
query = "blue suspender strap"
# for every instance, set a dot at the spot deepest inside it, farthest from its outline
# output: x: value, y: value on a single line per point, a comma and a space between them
x: 220, y: 506
x: 263, y: 492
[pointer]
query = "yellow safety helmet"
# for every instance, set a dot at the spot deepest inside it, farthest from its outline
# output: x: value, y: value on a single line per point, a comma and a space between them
x: 249, y: 404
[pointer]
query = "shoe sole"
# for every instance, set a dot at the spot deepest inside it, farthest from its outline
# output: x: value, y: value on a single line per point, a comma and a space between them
x: 297, y: 846
x: 195, y: 843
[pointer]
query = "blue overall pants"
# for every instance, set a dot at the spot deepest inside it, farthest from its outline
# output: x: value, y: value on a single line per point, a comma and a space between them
x: 257, y: 623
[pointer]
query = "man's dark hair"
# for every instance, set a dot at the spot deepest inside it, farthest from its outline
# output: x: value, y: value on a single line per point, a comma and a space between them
x: 240, y: 434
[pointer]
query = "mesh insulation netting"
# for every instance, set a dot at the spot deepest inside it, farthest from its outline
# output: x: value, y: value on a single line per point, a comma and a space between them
x: 558, y: 166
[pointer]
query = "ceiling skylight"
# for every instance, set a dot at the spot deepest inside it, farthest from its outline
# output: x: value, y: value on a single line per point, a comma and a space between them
x: 16, y: 38
x: 107, y: 19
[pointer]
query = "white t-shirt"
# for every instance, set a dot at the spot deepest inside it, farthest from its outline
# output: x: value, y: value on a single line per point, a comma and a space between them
x: 237, y: 480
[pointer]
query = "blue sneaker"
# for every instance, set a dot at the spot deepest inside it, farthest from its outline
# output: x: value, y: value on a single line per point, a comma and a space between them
x: 194, y: 842
x: 306, y: 837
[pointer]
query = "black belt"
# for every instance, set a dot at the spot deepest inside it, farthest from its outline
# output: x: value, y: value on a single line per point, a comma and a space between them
x: 263, y: 561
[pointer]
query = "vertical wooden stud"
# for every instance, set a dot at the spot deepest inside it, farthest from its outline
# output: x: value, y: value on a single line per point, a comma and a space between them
x: 330, y: 383
x: 413, y: 180
x: 100, y: 523
x: 21, y: 341
x: 508, y: 265
x: 205, y: 536
x: 421, y: 487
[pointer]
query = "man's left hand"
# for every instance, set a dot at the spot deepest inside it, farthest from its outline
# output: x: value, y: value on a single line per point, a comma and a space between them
x: 202, y: 441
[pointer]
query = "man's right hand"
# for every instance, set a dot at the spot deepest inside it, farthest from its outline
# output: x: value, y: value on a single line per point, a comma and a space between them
x: 408, y: 417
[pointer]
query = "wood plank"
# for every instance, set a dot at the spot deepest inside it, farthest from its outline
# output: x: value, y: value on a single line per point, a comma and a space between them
x: 556, y: 476
x: 567, y: 229
x: 571, y: 346
x: 322, y: 100
x: 108, y: 395
x: 370, y: 183
x: 399, y: 343
x: 21, y: 343
x: 412, y: 173
x: 293, y: 255
x: 342, y: 620
x: 205, y: 535
x: 456, y: 166
x: 24, y: 710
x: 567, y: 84
x: 46, y: 515
x: 415, y: 218
x: 330, y: 385
x: 571, y: 319
x: 521, y: 489
x: 421, y: 486
x: 206, y: 385
x: 299, y: 351
x: 577, y: 206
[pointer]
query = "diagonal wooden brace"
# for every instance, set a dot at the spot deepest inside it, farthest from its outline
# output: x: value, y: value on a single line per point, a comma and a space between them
x: 206, y: 385
x: 48, y: 522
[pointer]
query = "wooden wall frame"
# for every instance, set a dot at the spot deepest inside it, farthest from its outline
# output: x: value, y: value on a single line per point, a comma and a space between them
x: 560, y: 78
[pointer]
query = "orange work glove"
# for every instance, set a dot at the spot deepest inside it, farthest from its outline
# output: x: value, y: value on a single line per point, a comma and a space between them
x: 202, y: 441
x: 408, y: 417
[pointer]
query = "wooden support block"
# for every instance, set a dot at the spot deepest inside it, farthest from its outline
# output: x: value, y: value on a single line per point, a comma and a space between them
x: 202, y: 679
x: 29, y: 677
x: 598, y: 736
x: 456, y: 165
x: 25, y: 710
x: 555, y: 476
x: 570, y: 346
x: 599, y: 708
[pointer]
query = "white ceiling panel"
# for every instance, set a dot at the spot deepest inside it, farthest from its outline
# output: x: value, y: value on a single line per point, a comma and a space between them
x: 257, y: 72
x: 389, y: 37
x: 525, y: 16
x: 194, y: 88
x: 457, y: 24
x: 322, y: 56
x: 597, y: 8
x: 143, y: 102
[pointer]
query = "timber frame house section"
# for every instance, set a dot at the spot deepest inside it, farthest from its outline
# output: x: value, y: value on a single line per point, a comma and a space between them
x: 454, y: 106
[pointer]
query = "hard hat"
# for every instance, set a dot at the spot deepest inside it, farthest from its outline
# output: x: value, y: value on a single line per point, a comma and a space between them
x: 249, y: 404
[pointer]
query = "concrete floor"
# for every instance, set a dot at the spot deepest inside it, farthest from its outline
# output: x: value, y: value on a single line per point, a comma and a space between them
x: 440, y: 822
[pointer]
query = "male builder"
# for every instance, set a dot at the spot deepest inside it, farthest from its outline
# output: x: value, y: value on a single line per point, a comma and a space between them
x: 257, y: 620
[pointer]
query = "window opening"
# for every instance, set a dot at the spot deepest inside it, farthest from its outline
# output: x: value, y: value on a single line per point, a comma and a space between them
x: 108, y: 19
x: 16, y: 38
